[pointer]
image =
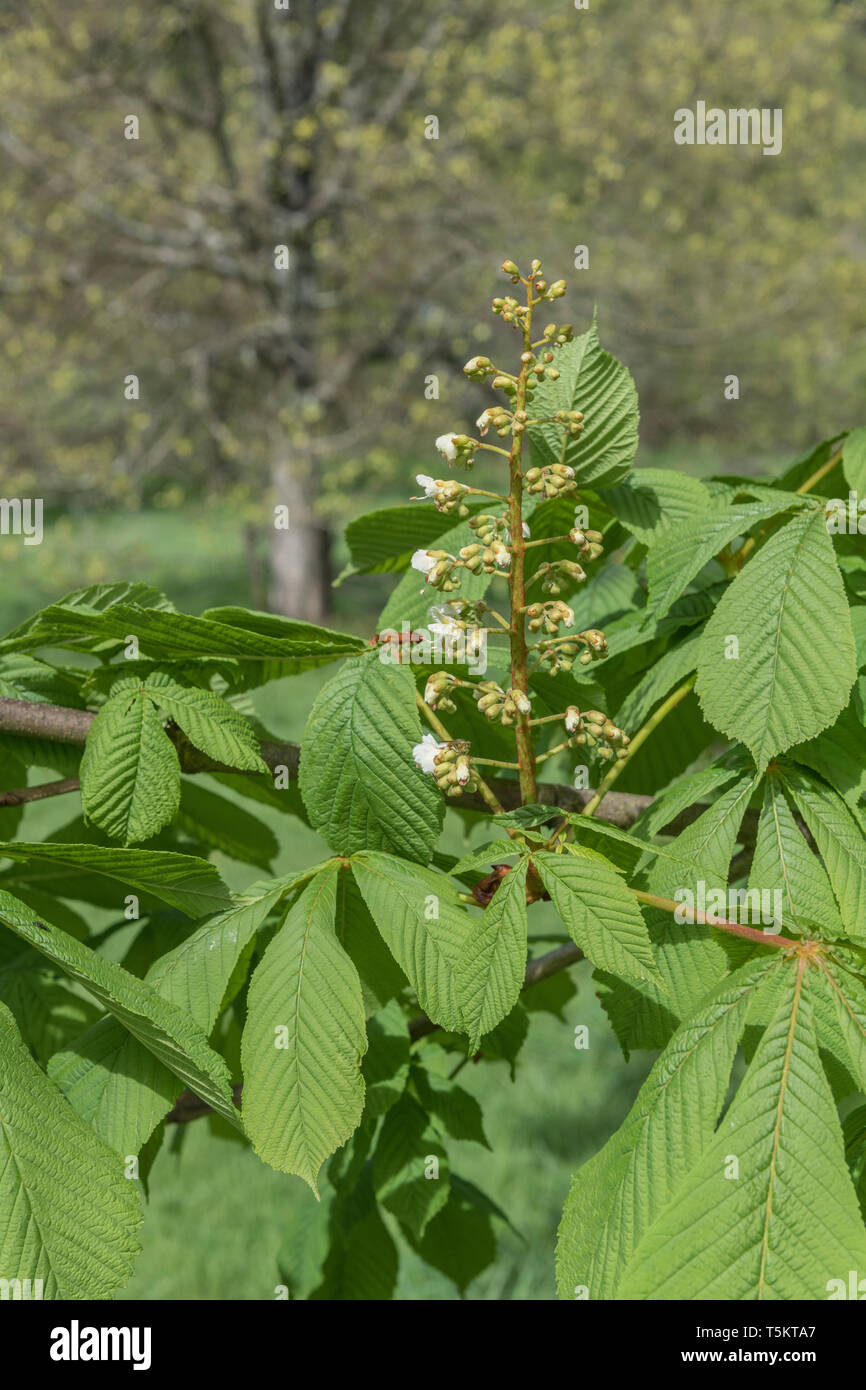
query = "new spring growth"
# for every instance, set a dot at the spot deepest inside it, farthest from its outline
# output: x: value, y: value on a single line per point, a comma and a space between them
x: 499, y: 546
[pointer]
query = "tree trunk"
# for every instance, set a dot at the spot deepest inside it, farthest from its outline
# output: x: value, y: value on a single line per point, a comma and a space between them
x: 300, y: 571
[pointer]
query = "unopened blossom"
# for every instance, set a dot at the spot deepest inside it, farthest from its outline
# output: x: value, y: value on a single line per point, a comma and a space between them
x: 425, y: 752
x: 501, y: 555
x: 482, y: 424
x: 572, y: 719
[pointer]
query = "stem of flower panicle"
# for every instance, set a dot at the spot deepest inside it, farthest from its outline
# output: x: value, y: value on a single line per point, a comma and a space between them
x: 519, y: 650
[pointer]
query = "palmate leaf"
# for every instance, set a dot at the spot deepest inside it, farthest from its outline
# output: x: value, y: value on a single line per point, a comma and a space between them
x: 492, y: 960
x: 115, y: 1083
x: 784, y: 1221
x: 359, y: 782
x: 304, y: 1039
x: 130, y: 774
x: 68, y: 1214
x: 796, y: 663
x: 616, y: 1196
x: 600, y: 913
x: 160, y: 1026
x: 677, y: 556
x: 424, y: 925
x: 593, y: 381
x: 192, y: 885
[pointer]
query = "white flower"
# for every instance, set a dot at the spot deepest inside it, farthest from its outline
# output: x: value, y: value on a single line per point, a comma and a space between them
x: 430, y: 485
x: 482, y: 424
x: 567, y: 618
x: 443, y: 629
x: 521, y: 701
x: 463, y: 771
x: 425, y: 752
x: 525, y: 533
x: 446, y: 446
x: 501, y: 555
x: 572, y: 719
x: 422, y: 560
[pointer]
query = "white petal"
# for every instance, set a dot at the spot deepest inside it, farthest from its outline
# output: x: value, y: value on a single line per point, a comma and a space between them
x: 422, y: 561
x: 425, y: 752
x: 428, y: 484
x: 445, y: 444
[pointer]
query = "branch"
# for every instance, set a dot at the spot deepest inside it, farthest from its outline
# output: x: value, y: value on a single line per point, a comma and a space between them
x: 40, y: 793
x: 60, y: 725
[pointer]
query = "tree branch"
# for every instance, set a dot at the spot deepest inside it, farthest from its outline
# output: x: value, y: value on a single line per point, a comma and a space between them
x: 29, y: 719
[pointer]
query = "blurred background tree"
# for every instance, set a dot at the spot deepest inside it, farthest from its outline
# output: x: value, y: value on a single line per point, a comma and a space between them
x: 397, y: 151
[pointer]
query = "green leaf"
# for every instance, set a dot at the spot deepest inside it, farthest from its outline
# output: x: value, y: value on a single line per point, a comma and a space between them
x: 688, y: 958
x: 222, y: 825
x: 788, y: 1222
x: 796, y: 665
x: 492, y: 960
x: 359, y: 781
x: 130, y: 774
x: 677, y: 556
x: 590, y: 380
x: 660, y: 680
x: 854, y: 461
x: 841, y: 843
x: 227, y: 632
x: 210, y: 723
x: 25, y: 678
x: 383, y: 542
x: 839, y: 754
x: 386, y: 1062
x: 652, y: 500
x: 160, y: 1026
x: 600, y: 913
x: 192, y: 885
x: 459, y: 1241
x: 304, y: 1039
x: 424, y: 925
x: 118, y: 1086
x: 617, y: 1195
x: 782, y: 860
x: 407, y: 1151
x: 457, y: 1110
x: 68, y: 1215
x: 412, y: 599
x: 381, y: 977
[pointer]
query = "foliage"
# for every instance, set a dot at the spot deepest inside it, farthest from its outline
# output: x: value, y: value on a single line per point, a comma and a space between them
x: 714, y: 878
